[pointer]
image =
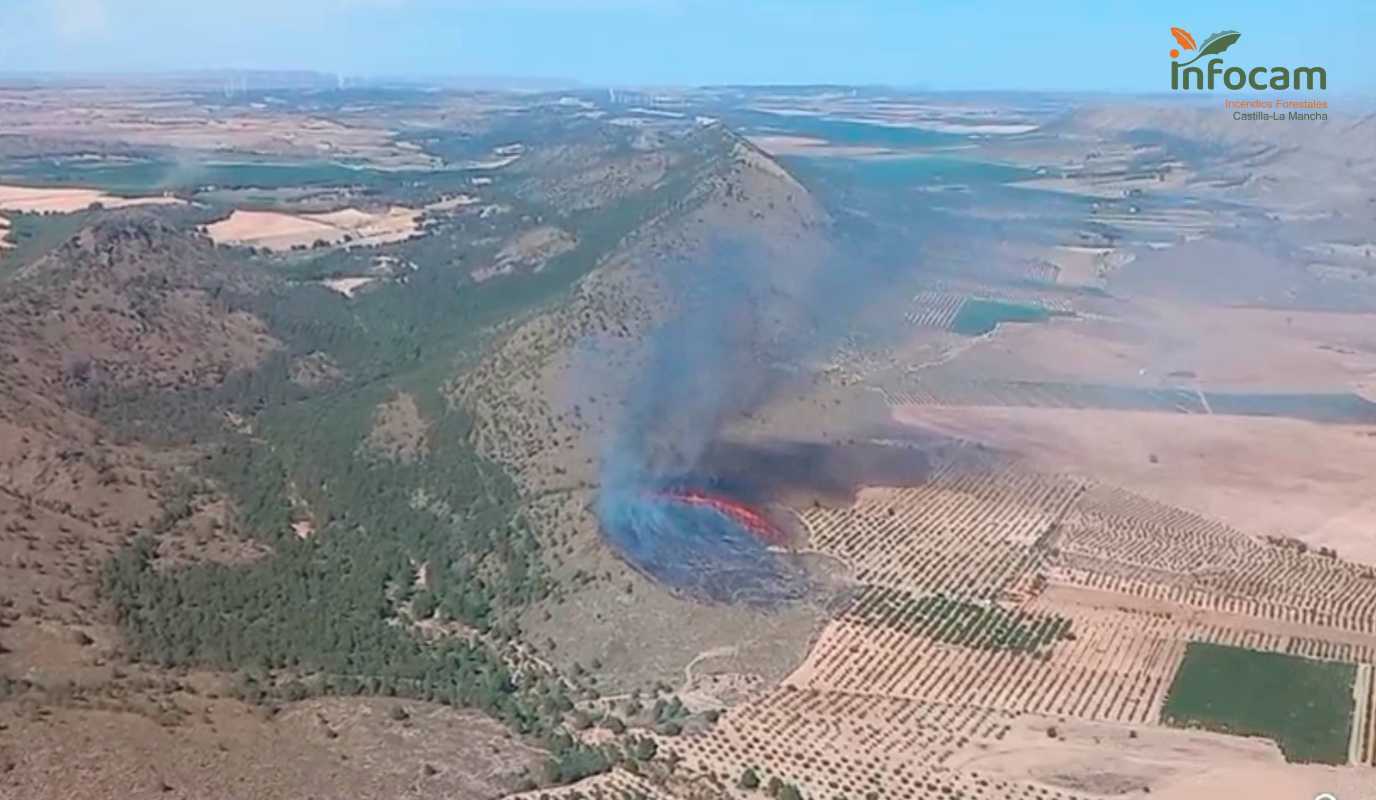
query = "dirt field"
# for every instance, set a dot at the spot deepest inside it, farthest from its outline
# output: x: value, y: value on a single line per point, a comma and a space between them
x: 283, y: 232
x: 1106, y: 760
x: 1159, y: 343
x: 1273, y: 349
x: 64, y: 201
x: 1266, y: 476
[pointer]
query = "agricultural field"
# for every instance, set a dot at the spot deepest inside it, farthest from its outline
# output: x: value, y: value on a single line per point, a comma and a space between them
x: 281, y: 232
x: 935, y: 309
x: 1046, y: 631
x: 850, y: 745
x: 978, y: 317
x: 1348, y: 408
x: 1307, y: 705
x: 1315, y: 490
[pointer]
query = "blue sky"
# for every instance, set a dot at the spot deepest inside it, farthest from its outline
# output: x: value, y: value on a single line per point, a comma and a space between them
x: 1110, y: 46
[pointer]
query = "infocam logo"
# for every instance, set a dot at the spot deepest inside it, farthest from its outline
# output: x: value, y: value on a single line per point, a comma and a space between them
x: 1185, y: 77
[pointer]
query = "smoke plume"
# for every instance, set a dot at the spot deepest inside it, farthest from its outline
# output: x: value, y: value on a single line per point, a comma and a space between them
x: 744, y: 320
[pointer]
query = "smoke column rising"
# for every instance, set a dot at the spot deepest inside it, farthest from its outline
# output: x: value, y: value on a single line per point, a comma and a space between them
x: 742, y: 319
x: 698, y: 370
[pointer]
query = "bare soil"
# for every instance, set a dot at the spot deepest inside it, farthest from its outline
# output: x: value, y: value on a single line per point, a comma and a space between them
x: 64, y: 201
x: 280, y: 231
x: 1264, y: 476
x: 399, y: 431
x: 213, y: 747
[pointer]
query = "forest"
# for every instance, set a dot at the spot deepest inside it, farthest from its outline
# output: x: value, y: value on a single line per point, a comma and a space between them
x: 334, y: 612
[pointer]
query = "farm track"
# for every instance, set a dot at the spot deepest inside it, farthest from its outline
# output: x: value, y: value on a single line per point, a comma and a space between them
x: 1359, y: 749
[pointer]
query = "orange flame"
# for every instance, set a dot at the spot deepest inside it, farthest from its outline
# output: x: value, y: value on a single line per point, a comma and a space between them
x: 752, y: 520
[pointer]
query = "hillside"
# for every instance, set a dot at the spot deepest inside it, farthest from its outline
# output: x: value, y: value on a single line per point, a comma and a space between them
x: 1285, y: 166
x: 124, y: 311
x: 545, y: 399
x: 228, y: 485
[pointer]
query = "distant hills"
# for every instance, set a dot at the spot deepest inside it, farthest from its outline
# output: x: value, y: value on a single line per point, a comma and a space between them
x: 261, y: 80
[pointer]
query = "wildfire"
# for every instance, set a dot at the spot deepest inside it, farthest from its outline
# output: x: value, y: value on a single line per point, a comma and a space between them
x: 743, y: 515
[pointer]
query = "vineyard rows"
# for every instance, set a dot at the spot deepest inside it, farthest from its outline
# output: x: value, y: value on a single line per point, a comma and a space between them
x: 1115, y: 541
x: 1034, y: 271
x: 1116, y: 668
x: 953, y: 606
x: 966, y: 533
x: 935, y: 309
x: 834, y: 744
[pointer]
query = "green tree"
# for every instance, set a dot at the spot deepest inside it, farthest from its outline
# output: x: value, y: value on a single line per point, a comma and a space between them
x: 645, y: 749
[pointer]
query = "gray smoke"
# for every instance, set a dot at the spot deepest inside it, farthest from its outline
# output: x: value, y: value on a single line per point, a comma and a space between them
x: 743, y: 321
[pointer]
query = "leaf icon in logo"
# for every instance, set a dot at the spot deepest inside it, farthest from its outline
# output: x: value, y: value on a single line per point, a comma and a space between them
x: 1215, y: 44
x: 1218, y: 42
x: 1183, y: 36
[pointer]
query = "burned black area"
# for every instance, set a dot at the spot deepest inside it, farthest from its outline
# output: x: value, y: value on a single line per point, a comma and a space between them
x: 687, y: 533
x: 746, y: 320
x: 793, y: 472
x: 697, y: 549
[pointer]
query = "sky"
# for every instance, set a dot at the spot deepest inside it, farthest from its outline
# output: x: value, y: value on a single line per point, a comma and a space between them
x: 1054, y: 45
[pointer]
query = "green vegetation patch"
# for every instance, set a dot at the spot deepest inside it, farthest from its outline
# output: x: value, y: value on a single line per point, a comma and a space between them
x: 1304, y: 705
x: 978, y: 317
x: 33, y: 235
x: 983, y: 626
